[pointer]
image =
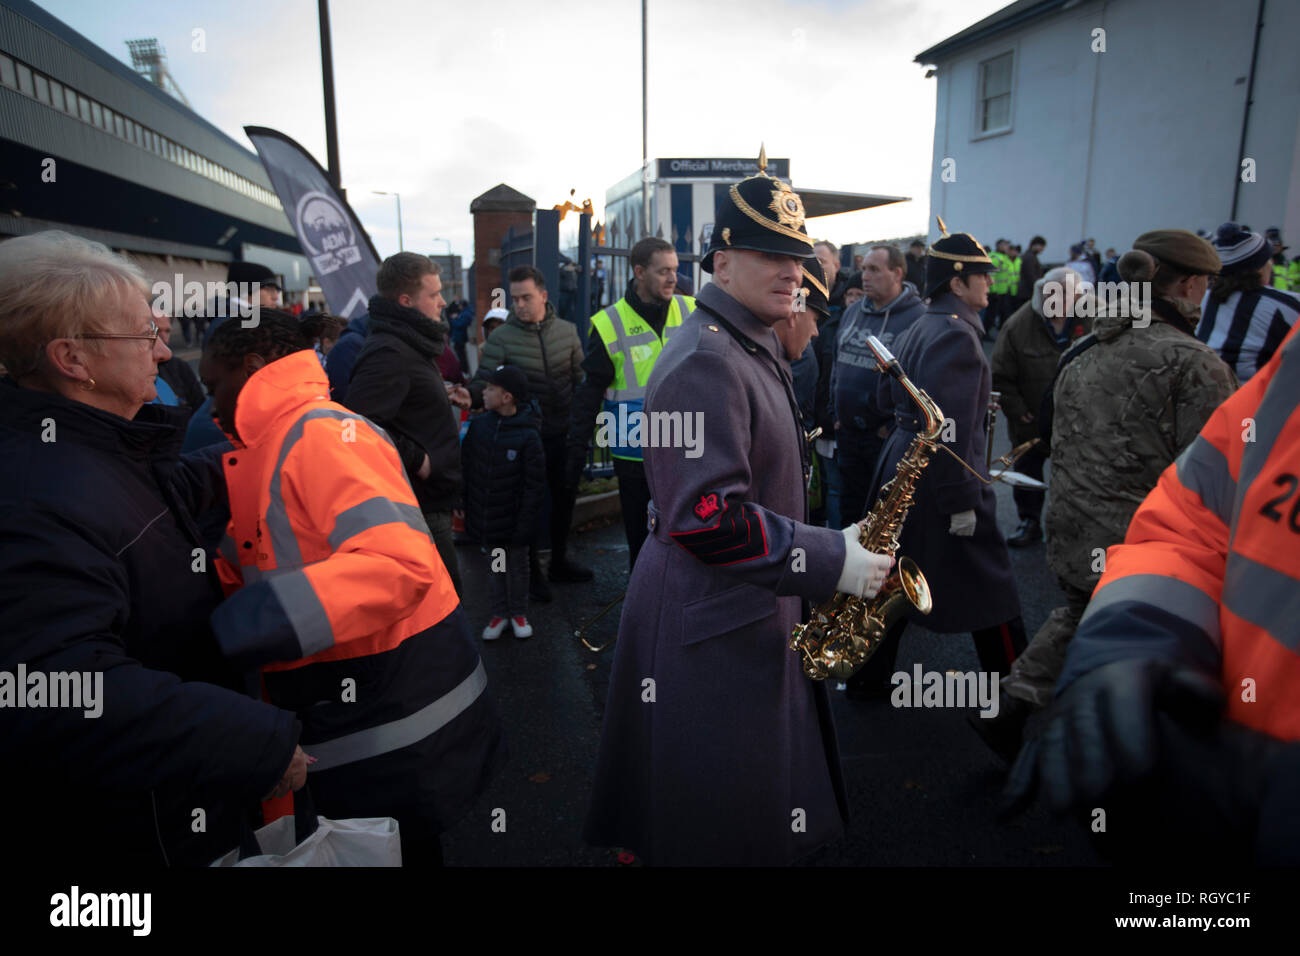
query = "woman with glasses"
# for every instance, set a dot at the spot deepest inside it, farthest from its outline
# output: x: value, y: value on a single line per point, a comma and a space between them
x: 118, y: 751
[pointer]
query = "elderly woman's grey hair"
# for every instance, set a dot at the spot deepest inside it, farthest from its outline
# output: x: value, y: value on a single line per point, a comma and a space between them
x: 54, y: 285
x: 1060, y: 288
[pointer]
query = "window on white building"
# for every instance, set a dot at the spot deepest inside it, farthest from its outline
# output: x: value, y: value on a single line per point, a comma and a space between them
x: 995, y: 94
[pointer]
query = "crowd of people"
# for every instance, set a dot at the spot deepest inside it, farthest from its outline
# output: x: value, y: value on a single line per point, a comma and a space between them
x: 1153, y: 524
x: 259, y: 560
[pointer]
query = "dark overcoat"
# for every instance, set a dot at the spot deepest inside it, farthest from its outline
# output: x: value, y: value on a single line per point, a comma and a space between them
x: 716, y: 749
x: 103, y: 571
x: 970, y: 578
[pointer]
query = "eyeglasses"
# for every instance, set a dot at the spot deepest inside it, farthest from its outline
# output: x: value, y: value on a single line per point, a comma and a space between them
x: 151, y: 335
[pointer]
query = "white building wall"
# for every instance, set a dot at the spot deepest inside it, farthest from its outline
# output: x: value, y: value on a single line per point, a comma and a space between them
x: 1142, y: 136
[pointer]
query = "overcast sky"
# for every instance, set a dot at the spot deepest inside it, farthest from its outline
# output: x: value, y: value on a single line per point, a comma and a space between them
x: 441, y: 101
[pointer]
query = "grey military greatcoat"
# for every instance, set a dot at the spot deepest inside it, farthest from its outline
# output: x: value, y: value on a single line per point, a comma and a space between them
x: 716, y: 749
x: 970, y: 579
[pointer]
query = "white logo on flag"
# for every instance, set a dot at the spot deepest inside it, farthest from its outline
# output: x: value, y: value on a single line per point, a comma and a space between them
x: 327, y: 233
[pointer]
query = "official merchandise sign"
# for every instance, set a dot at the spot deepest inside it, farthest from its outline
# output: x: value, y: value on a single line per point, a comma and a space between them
x: 720, y: 168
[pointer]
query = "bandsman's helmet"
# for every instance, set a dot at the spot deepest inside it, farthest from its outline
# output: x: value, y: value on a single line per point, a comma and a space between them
x: 814, y: 288
x: 958, y: 254
x: 761, y: 214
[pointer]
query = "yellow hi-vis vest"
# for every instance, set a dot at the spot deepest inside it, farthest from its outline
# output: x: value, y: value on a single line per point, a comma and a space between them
x: 633, y: 349
x: 1001, y: 279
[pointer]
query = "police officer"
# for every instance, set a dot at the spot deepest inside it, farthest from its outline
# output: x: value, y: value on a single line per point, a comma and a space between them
x: 1281, y: 268
x: 999, y: 287
x: 626, y: 339
x: 716, y: 749
x: 951, y: 530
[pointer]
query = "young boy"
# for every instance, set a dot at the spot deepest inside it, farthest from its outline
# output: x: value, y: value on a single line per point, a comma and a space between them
x: 505, y: 485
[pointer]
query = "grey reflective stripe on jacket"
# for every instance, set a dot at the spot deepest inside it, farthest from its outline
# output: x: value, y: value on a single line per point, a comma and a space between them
x: 623, y: 343
x: 298, y: 599
x: 681, y: 312
x: 284, y: 542
x: 230, y: 551
x: 402, y: 732
x: 1276, y: 408
x: 1203, y: 470
x: 373, y: 513
x: 1264, y: 597
x: 1169, y: 594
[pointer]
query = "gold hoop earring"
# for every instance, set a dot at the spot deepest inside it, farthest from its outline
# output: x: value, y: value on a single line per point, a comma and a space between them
x: 87, y: 385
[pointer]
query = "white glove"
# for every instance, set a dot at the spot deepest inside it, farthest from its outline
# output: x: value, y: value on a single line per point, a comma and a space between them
x: 864, y: 571
x: 962, y: 524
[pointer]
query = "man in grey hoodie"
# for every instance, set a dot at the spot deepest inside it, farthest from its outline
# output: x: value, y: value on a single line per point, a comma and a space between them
x: 891, y: 306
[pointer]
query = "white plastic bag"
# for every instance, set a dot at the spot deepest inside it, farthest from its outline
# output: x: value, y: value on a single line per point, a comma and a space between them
x: 364, y: 841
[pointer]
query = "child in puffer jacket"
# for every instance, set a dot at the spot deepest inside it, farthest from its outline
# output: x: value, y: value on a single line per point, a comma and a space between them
x: 505, y: 485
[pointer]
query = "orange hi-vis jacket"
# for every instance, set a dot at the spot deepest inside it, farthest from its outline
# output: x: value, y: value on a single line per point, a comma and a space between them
x: 337, y: 592
x: 325, y: 521
x: 1209, y: 571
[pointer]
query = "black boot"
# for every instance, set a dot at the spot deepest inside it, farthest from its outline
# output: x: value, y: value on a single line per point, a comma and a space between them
x: 538, y: 589
x: 1029, y: 532
x: 1005, y: 732
x: 564, y: 571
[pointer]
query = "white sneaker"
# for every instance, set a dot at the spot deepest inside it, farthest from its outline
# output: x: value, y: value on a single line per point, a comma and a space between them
x: 521, y: 627
x: 494, y: 628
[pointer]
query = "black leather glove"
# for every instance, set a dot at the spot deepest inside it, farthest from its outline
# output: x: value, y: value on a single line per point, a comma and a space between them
x: 1103, y: 732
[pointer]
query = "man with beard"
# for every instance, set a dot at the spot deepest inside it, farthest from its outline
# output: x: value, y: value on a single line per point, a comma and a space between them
x: 396, y: 384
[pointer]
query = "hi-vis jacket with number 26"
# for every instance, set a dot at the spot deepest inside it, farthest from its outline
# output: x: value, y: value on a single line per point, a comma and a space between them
x: 341, y: 598
x: 1209, y: 572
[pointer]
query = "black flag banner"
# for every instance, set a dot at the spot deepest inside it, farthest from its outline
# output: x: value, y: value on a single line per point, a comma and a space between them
x: 342, y: 258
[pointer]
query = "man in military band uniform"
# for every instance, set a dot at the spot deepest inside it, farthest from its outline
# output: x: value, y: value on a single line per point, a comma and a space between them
x: 716, y: 749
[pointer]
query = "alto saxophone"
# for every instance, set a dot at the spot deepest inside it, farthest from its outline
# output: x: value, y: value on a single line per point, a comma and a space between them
x: 843, y: 633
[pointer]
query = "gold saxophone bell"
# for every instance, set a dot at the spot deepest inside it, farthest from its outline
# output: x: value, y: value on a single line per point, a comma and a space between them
x: 843, y: 633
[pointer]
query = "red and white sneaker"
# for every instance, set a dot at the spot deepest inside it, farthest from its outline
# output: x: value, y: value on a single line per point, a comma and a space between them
x: 494, y: 628
x: 521, y: 627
